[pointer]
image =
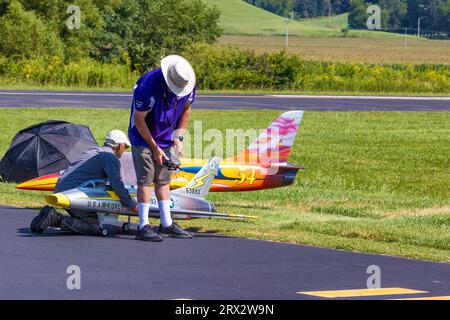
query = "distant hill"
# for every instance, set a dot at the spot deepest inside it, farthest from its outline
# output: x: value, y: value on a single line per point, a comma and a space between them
x: 241, y: 18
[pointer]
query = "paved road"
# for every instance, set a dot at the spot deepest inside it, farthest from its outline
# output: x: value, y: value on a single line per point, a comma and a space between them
x: 28, y: 98
x: 207, y: 267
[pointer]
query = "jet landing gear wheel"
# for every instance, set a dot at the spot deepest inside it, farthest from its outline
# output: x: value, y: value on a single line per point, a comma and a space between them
x: 101, y: 219
x: 103, y: 232
x: 126, y: 227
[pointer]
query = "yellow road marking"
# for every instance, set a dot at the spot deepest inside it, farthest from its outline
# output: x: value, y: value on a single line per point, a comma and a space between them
x: 427, y: 298
x: 361, y: 292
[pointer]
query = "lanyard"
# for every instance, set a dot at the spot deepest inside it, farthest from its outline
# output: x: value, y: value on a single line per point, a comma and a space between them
x: 172, y: 124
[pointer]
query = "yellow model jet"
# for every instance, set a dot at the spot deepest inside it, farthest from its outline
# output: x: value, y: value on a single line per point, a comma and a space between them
x: 246, y: 171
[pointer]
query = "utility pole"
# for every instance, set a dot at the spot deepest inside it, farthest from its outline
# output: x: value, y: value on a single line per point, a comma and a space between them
x: 286, y: 45
x: 418, y: 25
x: 287, y: 33
x: 329, y: 13
x: 406, y: 34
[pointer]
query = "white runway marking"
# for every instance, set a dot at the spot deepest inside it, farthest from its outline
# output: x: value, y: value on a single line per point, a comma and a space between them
x: 279, y: 96
x: 360, y: 97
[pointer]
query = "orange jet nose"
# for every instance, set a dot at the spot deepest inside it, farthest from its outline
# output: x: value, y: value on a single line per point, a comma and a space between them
x: 44, y: 183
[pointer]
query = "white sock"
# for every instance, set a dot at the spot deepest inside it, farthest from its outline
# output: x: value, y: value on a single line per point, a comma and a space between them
x: 164, y: 213
x: 143, y: 209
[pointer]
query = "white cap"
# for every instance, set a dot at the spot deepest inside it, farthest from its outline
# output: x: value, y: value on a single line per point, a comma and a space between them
x: 179, y: 75
x: 117, y: 137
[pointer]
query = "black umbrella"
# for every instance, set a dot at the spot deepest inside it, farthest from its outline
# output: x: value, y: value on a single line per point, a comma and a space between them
x: 44, y: 148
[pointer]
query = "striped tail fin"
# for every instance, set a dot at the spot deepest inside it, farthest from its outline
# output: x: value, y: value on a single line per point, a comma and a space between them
x: 275, y: 143
x: 199, y: 186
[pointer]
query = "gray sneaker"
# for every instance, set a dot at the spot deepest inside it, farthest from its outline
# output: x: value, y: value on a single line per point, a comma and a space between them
x: 48, y: 217
x: 147, y: 234
x: 174, y: 231
x: 34, y: 226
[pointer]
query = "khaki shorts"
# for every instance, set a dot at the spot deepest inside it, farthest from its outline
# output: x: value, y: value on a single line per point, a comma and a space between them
x: 147, y: 170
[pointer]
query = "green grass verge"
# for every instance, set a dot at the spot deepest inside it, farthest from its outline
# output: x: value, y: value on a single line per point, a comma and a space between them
x: 375, y: 182
x: 249, y: 92
x: 25, y: 86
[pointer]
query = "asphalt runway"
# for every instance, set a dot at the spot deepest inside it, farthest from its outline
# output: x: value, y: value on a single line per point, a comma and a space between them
x: 39, y: 98
x: 209, y: 266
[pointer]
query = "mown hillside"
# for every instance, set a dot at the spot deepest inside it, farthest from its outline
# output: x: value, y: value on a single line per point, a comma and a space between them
x: 241, y: 18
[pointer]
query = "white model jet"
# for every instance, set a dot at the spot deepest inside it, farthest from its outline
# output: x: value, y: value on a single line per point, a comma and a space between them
x: 186, y: 203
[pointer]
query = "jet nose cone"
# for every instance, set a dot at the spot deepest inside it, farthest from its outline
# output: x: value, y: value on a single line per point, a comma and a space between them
x: 28, y: 185
x: 22, y: 186
x: 58, y: 199
x: 44, y: 183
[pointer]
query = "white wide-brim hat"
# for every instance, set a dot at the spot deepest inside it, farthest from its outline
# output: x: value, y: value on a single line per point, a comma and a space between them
x: 179, y: 75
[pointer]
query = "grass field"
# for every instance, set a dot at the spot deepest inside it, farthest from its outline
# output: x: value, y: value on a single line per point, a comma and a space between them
x: 375, y: 182
x: 352, y: 50
x: 248, y: 27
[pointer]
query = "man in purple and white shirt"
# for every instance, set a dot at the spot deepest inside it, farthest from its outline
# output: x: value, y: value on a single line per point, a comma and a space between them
x: 160, y: 114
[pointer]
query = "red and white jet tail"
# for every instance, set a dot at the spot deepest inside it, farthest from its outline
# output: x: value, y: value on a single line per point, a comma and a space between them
x: 274, y: 145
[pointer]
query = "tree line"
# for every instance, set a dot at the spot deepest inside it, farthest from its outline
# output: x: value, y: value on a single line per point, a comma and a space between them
x: 303, y: 8
x: 130, y: 32
x: 395, y: 14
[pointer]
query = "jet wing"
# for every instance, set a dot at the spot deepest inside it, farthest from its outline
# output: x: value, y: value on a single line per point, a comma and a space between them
x: 180, y: 214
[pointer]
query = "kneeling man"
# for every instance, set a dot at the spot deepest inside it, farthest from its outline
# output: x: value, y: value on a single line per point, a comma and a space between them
x: 95, y: 163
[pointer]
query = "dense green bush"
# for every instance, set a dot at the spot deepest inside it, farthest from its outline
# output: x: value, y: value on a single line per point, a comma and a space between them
x: 53, y: 72
x: 233, y: 69
x: 133, y: 32
x: 24, y: 35
x: 229, y: 68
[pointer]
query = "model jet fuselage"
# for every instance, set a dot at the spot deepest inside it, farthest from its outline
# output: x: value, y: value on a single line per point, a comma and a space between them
x: 97, y: 196
x: 243, y: 172
x: 186, y: 203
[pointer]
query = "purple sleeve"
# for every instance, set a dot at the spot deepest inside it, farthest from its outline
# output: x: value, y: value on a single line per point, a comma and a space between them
x: 143, y: 97
x: 191, y: 98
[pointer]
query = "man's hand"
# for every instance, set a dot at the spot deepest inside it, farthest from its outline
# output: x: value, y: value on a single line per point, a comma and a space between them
x: 159, y: 156
x: 135, y: 209
x: 179, y: 148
